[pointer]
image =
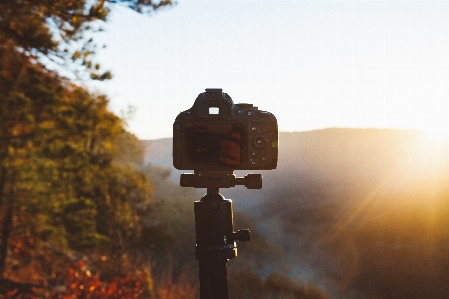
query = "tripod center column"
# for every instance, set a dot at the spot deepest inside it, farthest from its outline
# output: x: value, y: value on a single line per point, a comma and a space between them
x: 214, y: 243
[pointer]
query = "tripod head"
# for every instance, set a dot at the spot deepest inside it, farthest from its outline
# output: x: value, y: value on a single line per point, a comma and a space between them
x: 220, y: 179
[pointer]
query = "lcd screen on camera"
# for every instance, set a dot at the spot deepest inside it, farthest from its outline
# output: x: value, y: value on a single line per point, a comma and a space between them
x: 218, y: 144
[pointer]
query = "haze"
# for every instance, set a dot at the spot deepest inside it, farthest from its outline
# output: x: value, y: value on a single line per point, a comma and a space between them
x: 362, y: 213
x: 314, y: 64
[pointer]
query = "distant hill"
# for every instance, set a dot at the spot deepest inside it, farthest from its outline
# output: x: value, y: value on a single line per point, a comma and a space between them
x: 158, y: 152
x: 365, y: 212
x: 337, y: 158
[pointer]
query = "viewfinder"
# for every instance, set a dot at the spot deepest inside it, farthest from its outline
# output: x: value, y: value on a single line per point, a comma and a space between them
x: 214, y: 110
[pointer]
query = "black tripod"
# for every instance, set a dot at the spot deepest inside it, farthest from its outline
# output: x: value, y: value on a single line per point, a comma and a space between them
x: 214, y: 225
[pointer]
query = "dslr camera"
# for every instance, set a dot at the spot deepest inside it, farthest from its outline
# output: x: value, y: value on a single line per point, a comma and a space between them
x: 218, y: 135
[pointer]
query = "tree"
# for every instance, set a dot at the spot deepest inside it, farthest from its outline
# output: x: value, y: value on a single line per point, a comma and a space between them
x: 44, y: 146
x: 59, y: 183
x: 56, y: 33
x: 26, y: 98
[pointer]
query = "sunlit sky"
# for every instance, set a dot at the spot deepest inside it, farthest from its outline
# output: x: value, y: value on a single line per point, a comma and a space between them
x: 314, y: 64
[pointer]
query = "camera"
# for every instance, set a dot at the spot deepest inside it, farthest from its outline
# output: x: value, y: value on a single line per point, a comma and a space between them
x: 217, y: 135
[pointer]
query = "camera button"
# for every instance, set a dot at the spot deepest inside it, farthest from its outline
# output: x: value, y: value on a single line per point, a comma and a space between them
x: 260, y: 141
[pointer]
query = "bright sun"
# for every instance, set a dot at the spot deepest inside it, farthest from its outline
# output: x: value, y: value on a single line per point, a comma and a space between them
x: 437, y: 134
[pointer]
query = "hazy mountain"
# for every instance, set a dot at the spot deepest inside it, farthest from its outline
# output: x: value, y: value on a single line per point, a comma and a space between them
x: 361, y: 212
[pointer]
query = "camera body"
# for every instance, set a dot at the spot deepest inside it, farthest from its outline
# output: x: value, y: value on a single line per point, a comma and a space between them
x: 218, y: 135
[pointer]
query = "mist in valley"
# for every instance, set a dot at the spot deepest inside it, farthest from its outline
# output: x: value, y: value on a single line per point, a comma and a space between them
x: 360, y: 213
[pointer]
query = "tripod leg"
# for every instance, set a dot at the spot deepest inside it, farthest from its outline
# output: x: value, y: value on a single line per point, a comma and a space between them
x: 213, y: 279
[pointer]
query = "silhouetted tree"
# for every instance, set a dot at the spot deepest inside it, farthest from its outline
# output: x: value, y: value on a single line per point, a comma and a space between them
x: 57, y: 32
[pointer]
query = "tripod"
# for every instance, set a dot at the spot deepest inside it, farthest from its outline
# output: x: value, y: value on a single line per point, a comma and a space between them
x: 214, y: 226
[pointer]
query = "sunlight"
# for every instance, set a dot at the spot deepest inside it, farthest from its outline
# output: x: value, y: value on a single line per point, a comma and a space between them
x: 437, y: 134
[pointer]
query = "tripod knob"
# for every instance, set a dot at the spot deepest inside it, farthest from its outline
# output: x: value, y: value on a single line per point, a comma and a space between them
x: 242, y: 235
x: 253, y: 181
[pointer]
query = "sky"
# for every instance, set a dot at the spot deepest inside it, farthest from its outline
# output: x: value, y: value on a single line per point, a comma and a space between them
x: 313, y: 64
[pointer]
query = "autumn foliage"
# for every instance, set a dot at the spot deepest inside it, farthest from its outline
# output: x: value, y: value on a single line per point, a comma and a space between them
x: 80, y: 283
